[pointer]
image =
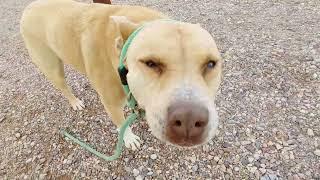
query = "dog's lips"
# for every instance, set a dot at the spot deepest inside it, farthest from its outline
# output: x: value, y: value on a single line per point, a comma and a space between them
x: 185, y: 143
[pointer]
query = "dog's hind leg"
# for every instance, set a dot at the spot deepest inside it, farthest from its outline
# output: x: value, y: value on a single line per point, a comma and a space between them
x: 52, y: 67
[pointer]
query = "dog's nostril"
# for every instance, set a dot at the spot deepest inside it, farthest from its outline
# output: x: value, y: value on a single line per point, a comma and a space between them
x: 177, y: 123
x: 198, y: 124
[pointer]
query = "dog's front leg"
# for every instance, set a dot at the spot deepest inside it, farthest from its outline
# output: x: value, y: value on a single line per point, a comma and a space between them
x: 116, y: 112
x: 106, y: 82
x: 113, y: 98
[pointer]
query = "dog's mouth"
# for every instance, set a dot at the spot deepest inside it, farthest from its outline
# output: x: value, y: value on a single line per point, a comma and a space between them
x: 186, y: 143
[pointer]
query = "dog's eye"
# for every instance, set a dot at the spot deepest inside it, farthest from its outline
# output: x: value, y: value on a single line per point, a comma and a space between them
x: 151, y: 64
x: 211, y: 64
x: 157, y: 67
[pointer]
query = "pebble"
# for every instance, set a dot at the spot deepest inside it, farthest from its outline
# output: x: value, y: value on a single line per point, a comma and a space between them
x: 314, y: 76
x: 2, y: 118
x: 262, y: 170
x: 42, y: 160
x: 42, y: 176
x: 317, y: 152
x: 28, y: 160
x: 135, y: 172
x: 223, y: 168
x: 153, y: 156
x: 294, y: 177
x: 18, y: 135
x: 128, y: 169
x: 195, y: 168
x: 244, y: 161
x: 310, y: 132
x: 139, y: 177
x: 278, y: 146
x: 82, y: 174
x: 236, y: 169
x: 253, y: 169
x: 245, y: 142
x: 216, y: 158
x: 291, y: 155
x: 150, y: 173
x: 256, y: 156
x: 270, y: 143
x: 250, y: 159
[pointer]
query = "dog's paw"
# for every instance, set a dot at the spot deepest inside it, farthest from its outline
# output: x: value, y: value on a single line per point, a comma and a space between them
x: 77, y: 104
x: 131, y: 140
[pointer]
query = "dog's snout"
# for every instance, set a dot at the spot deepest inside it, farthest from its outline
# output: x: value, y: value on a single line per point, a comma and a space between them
x: 187, y: 123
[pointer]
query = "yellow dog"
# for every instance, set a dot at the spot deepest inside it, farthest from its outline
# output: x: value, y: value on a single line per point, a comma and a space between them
x: 174, y: 67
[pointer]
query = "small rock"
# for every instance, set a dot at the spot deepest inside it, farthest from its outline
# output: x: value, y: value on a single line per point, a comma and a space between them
x: 216, y: 158
x: 294, y: 177
x: 244, y: 161
x: 153, y: 156
x: 256, y: 156
x: 135, y: 172
x: 251, y: 148
x: 42, y: 160
x: 18, y: 135
x: 139, y: 177
x: 273, y: 177
x: 2, y: 118
x: 32, y: 144
x: 150, y: 173
x: 126, y: 160
x: 317, y: 152
x: 310, y: 132
x: 250, y: 159
x: 291, y: 155
x: 314, y: 76
x: 253, y: 169
x: 236, y: 169
x: 245, y: 142
x: 42, y: 176
x: 291, y: 142
x: 262, y: 170
x: 195, y: 168
x: 28, y: 160
x: 82, y: 174
x: 302, y: 176
x: 223, y: 168
x: 128, y: 169
x: 278, y: 146
x: 226, y: 145
x: 270, y: 143
x: 114, y: 131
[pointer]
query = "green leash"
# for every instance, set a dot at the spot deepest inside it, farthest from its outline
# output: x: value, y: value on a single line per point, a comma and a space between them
x: 131, y: 103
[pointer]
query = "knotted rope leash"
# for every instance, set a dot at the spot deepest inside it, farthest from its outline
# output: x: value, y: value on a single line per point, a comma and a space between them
x: 131, y: 103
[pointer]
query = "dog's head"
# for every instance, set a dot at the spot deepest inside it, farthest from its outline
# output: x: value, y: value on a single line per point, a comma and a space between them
x: 174, y: 74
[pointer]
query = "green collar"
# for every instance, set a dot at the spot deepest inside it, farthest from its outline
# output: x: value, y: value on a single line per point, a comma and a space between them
x: 122, y: 70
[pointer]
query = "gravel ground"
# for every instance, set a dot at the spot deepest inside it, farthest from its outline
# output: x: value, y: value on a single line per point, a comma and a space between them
x: 269, y: 102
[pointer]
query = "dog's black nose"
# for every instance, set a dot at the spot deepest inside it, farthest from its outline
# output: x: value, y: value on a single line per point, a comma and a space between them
x: 187, y: 123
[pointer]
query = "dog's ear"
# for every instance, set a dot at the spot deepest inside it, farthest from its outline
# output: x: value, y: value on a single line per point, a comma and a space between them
x: 125, y: 26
